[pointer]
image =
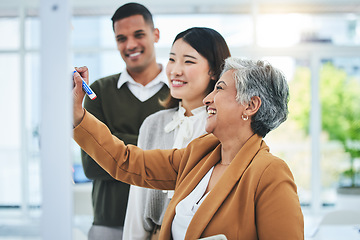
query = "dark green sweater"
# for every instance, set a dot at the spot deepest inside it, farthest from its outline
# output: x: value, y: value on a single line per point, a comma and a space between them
x: 123, y: 113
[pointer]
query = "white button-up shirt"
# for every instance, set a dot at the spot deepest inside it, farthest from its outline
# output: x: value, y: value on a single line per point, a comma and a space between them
x: 140, y: 91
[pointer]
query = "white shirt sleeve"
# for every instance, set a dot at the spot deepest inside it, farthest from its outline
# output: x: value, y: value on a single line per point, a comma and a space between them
x: 133, y: 226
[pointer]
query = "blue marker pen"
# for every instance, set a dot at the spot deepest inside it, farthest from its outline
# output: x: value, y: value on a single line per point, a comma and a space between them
x: 87, y: 89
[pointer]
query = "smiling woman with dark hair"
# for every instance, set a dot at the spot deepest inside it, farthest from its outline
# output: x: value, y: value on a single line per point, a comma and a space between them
x: 226, y: 182
x: 195, y: 60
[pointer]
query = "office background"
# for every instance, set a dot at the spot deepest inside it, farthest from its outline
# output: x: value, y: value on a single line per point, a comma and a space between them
x: 308, y: 40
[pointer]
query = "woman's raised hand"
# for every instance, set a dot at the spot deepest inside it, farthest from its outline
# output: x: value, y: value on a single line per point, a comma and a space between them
x: 78, y: 93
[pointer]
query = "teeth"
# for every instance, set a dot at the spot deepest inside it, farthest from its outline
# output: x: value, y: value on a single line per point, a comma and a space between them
x: 178, y: 83
x: 134, y: 54
x: 211, y: 111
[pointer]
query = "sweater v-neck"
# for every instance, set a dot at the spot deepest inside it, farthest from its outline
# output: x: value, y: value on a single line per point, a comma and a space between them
x: 127, y: 91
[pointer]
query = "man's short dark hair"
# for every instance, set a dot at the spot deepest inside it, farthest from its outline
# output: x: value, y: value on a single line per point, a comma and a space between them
x: 131, y: 9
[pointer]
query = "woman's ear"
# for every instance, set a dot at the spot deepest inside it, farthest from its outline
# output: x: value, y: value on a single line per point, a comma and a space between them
x: 212, y: 75
x: 253, y: 106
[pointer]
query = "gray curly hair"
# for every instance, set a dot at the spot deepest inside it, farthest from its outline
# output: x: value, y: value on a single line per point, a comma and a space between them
x: 259, y: 78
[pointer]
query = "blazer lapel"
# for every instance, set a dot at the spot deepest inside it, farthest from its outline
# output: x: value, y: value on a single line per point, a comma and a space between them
x: 224, y: 187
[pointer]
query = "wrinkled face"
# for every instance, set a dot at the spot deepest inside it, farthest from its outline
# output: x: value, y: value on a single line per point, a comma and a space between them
x: 135, y: 40
x: 224, y: 112
x: 188, y: 73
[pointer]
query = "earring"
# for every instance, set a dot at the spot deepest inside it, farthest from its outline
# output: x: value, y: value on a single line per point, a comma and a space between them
x: 246, y: 117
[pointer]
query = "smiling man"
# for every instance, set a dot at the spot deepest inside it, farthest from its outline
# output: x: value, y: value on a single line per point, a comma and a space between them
x: 123, y: 101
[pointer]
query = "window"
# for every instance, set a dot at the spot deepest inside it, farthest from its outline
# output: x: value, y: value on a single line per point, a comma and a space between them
x: 10, y: 130
x: 337, y: 29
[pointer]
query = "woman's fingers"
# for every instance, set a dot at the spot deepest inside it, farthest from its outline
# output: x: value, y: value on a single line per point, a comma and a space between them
x: 78, y: 96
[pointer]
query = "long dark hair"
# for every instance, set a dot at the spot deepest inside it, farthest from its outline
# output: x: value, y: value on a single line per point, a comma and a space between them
x: 209, y: 44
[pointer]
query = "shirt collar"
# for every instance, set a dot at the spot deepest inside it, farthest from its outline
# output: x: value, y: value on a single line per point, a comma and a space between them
x: 126, y: 78
x: 195, y: 111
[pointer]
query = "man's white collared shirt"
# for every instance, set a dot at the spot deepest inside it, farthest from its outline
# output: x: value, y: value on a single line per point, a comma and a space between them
x: 140, y: 91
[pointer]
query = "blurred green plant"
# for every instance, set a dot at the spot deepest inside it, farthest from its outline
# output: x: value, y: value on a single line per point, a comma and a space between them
x: 340, y: 110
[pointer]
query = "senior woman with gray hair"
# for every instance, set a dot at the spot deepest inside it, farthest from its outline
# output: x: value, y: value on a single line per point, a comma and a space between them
x: 226, y: 181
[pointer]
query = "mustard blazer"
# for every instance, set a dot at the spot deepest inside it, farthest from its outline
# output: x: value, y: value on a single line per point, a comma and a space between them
x: 256, y: 198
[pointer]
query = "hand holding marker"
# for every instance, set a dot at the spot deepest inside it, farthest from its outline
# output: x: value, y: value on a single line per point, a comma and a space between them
x: 87, y: 89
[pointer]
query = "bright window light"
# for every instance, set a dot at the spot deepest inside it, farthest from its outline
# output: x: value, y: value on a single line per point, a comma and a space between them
x: 281, y: 30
